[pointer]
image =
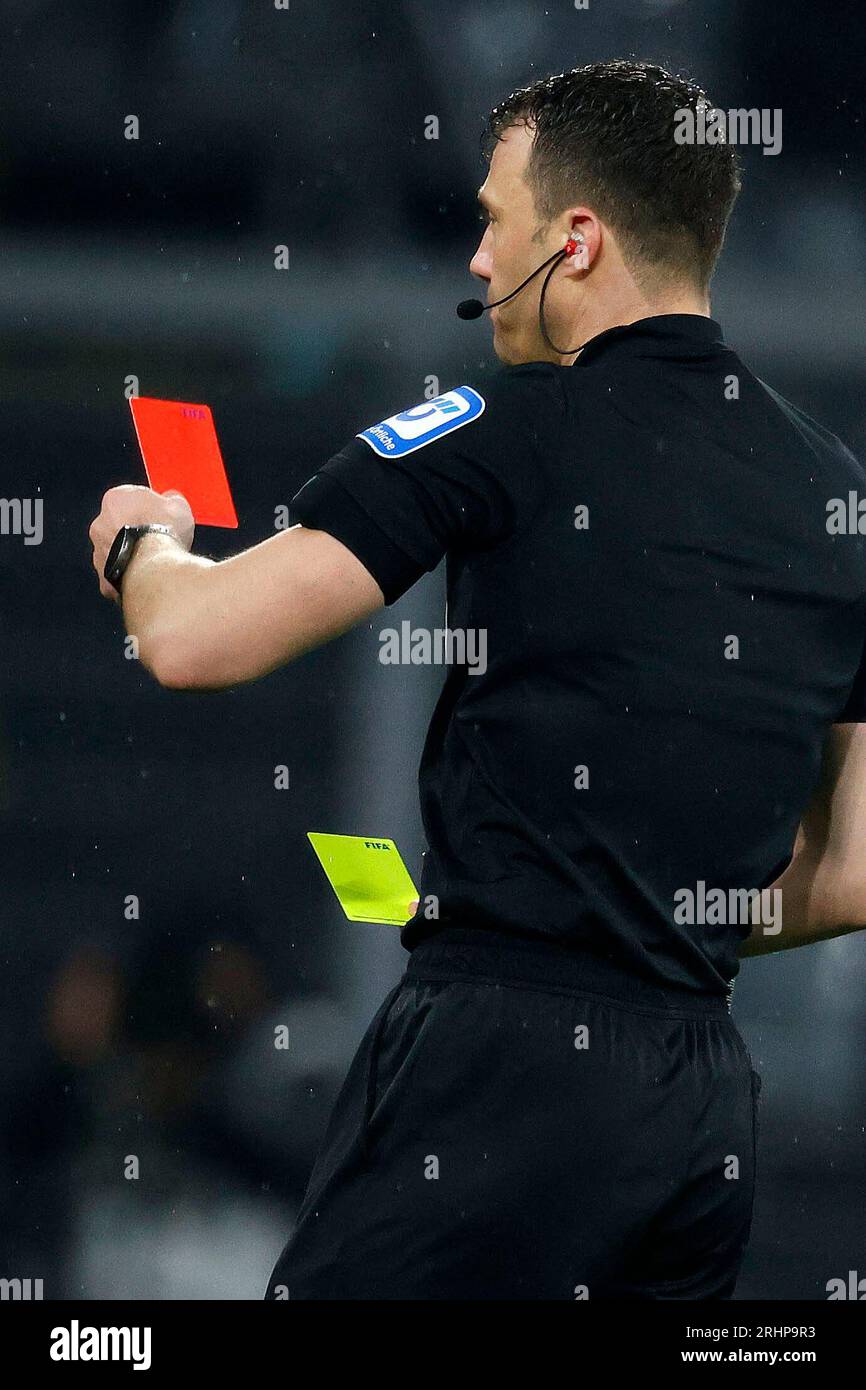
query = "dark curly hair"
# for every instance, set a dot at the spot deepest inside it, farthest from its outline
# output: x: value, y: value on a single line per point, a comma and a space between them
x: 604, y: 135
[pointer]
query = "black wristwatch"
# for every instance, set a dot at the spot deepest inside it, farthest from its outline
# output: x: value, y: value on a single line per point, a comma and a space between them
x: 123, y: 549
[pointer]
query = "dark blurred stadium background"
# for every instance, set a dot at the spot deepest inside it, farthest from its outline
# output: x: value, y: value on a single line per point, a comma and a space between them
x: 155, y: 258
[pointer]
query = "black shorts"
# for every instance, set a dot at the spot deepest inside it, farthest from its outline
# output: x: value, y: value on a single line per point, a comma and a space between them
x: 521, y: 1123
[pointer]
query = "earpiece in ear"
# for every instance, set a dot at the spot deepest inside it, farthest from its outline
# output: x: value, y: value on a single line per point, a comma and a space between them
x: 575, y: 251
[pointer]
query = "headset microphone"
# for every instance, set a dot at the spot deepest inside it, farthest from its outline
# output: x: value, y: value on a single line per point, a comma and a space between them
x: 473, y: 308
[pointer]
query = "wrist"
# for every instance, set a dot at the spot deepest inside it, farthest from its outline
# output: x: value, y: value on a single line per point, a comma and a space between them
x: 124, y: 546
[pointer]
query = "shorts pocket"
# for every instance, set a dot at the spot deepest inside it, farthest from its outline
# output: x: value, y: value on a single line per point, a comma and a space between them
x: 377, y: 1028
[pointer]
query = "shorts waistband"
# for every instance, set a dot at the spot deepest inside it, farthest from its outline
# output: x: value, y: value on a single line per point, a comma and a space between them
x: 476, y: 953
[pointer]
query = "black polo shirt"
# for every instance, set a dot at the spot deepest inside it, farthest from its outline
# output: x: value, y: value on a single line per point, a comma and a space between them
x: 670, y: 625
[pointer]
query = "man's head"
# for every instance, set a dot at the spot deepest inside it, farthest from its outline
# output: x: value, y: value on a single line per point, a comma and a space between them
x: 593, y: 151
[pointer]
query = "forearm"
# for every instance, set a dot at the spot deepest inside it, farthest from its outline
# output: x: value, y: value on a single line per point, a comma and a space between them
x: 163, y: 595
x: 205, y: 625
x: 820, y: 898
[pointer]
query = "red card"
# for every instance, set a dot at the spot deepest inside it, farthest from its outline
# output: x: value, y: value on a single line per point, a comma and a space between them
x: 182, y: 454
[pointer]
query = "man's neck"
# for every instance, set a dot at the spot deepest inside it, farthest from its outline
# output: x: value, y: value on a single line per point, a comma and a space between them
x: 632, y: 310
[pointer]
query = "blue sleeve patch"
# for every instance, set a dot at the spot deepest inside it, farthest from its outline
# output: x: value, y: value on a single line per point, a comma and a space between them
x: 412, y: 429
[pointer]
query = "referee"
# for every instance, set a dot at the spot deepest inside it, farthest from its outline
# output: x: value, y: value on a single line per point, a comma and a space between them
x: 554, y: 1102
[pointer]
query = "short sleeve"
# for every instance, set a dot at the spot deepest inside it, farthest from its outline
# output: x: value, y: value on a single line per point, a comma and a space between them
x: 463, y: 471
x: 855, y: 706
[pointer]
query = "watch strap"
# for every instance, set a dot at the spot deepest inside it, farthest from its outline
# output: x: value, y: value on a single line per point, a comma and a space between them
x: 123, y: 548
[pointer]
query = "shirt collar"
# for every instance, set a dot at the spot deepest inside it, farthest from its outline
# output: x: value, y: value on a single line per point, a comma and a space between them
x: 661, y: 335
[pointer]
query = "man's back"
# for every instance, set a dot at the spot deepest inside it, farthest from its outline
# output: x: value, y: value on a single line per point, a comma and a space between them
x: 671, y: 628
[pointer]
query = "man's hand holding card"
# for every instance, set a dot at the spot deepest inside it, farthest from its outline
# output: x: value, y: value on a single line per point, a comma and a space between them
x: 188, y: 483
x: 129, y: 505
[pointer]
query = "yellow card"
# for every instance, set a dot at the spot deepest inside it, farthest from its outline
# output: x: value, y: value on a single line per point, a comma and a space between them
x: 368, y: 876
